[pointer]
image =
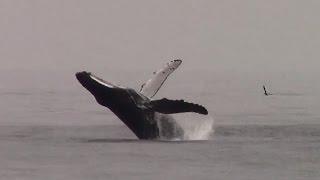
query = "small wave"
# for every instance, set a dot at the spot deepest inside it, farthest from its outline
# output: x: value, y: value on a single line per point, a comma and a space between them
x: 287, y: 94
x: 269, y: 131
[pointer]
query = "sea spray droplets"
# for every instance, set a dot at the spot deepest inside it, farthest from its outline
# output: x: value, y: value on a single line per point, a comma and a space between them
x: 186, y: 126
x: 196, y: 127
x: 200, y: 131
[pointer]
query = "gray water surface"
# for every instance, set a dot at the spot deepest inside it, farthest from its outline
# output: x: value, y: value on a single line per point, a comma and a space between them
x: 111, y: 152
x: 59, y: 134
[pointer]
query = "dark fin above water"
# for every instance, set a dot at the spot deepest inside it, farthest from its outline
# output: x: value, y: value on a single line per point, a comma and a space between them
x: 167, y: 106
x: 265, y: 91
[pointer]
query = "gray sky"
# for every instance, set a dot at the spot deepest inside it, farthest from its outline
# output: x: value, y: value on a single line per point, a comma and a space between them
x: 271, y: 38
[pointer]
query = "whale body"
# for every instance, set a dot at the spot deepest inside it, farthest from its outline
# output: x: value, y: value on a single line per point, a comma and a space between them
x: 146, y: 118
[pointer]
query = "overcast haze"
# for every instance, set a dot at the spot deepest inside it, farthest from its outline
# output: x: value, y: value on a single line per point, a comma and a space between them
x: 229, y: 49
x: 265, y: 38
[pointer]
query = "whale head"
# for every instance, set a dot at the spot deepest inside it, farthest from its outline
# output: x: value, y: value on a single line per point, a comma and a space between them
x: 103, y: 91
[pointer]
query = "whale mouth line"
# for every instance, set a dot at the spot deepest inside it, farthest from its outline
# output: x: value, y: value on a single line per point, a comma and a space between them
x: 101, y: 81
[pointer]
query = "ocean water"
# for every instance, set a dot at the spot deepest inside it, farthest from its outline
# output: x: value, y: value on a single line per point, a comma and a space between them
x: 64, y: 134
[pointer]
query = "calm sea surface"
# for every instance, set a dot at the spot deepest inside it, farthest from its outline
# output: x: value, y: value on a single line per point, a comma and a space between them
x: 64, y: 134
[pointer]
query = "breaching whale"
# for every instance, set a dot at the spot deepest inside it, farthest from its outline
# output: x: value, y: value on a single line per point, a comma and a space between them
x: 147, y: 118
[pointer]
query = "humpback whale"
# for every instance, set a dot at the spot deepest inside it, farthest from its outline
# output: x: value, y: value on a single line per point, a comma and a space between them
x: 145, y: 117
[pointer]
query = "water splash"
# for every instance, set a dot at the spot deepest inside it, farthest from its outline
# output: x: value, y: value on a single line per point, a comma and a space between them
x: 196, y: 127
x: 186, y: 126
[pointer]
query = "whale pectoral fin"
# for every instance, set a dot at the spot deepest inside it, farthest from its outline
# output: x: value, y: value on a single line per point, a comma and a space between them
x: 167, y: 106
x: 152, y: 86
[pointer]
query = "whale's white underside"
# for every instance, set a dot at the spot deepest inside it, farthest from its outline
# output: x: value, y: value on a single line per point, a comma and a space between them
x: 101, y: 82
x: 152, y: 86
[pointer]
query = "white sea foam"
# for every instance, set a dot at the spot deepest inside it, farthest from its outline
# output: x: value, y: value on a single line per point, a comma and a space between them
x: 186, y: 126
x: 196, y: 127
